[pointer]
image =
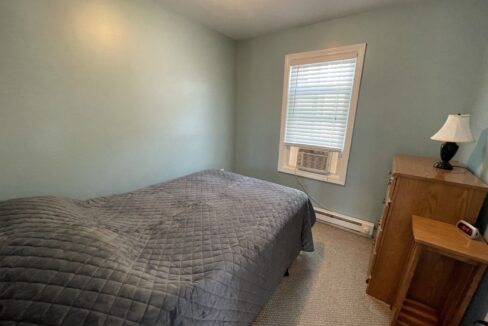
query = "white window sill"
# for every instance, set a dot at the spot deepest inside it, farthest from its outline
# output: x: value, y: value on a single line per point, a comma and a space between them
x: 331, y: 178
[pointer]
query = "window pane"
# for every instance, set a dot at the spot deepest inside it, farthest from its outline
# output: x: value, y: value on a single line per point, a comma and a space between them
x: 319, y: 97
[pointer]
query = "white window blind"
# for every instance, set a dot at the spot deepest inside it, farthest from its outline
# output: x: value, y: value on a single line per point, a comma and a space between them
x: 319, y: 97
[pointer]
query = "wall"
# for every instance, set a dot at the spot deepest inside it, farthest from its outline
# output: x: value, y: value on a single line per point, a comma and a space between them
x: 475, y: 155
x: 422, y: 61
x: 98, y: 97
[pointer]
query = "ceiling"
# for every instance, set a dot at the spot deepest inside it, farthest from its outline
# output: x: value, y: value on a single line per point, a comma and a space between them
x: 240, y: 19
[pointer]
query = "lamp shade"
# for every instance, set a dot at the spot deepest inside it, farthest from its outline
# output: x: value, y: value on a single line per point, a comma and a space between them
x: 455, y: 130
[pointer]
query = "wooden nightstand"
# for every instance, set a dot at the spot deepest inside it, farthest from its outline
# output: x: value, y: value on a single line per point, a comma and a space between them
x: 469, y: 258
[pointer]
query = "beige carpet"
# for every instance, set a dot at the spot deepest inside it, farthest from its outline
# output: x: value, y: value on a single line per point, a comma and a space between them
x: 327, y: 287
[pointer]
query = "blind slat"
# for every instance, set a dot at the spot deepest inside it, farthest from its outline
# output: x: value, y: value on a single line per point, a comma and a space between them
x: 332, y: 130
x: 319, y: 96
x: 330, y: 74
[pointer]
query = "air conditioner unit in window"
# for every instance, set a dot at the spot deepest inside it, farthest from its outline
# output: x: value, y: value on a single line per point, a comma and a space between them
x: 316, y: 161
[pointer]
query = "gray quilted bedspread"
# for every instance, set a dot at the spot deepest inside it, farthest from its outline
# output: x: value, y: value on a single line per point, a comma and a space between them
x: 205, y: 249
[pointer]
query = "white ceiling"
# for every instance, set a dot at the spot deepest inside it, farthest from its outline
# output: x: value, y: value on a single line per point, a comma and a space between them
x: 240, y: 19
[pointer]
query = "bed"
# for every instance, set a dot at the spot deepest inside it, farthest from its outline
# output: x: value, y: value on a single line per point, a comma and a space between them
x: 205, y: 249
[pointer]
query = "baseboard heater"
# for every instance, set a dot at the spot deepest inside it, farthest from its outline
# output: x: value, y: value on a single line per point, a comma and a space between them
x: 345, y: 222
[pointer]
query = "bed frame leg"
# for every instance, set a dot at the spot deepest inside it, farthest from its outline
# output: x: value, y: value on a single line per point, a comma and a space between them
x: 286, y: 272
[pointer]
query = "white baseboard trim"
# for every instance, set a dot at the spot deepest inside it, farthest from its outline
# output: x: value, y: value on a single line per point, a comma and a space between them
x: 345, y: 222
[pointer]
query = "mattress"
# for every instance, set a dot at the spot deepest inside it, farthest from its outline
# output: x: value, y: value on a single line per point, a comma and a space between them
x: 205, y: 249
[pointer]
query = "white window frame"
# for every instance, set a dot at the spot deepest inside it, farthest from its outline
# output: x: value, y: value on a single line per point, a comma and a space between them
x: 340, y: 159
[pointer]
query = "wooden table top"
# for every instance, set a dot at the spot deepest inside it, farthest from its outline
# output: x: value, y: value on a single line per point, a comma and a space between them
x: 418, y: 167
x: 448, y: 238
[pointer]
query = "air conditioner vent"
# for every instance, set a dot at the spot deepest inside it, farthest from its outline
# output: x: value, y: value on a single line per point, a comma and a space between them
x: 313, y: 161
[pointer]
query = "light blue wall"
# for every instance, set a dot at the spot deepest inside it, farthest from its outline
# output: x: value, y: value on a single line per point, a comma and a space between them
x: 476, y: 157
x: 422, y: 63
x: 98, y: 97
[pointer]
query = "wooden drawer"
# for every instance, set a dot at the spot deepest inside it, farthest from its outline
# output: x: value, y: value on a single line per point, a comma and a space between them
x: 387, y: 202
x: 384, y: 216
x: 377, y: 240
x: 381, y: 226
x: 389, y: 190
x: 374, y: 251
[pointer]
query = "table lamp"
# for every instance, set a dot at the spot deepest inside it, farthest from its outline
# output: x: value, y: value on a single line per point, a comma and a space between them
x: 455, y: 130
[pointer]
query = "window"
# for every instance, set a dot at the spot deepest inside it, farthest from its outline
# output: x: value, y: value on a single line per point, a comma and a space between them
x: 319, y: 104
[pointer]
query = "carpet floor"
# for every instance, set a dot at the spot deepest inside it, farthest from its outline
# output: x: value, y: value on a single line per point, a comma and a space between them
x: 327, y: 286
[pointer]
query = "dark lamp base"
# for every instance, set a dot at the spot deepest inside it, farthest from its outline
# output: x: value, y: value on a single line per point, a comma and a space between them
x: 448, y: 150
x: 443, y: 165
